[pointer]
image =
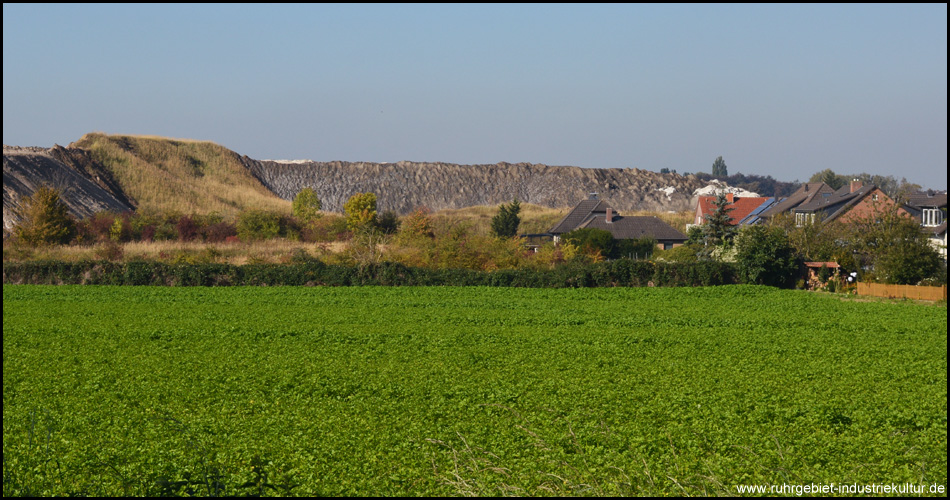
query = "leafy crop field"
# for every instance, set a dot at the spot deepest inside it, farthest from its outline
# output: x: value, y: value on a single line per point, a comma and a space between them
x: 461, y: 391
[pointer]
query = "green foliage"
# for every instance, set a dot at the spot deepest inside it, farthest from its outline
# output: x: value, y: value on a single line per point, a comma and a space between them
x: 894, y: 246
x: 891, y: 186
x: 505, y: 223
x: 824, y: 273
x: 718, y: 228
x: 766, y: 257
x: 306, y: 205
x: 361, y: 212
x: 44, y: 219
x: 830, y: 178
x: 719, y: 168
x: 460, y: 265
x: 388, y: 222
x: 683, y: 253
x: 591, y: 239
x: 637, y: 248
x: 258, y: 225
x: 445, y: 391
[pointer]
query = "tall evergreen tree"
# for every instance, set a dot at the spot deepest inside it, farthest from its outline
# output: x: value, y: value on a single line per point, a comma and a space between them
x: 505, y: 223
x: 719, y: 228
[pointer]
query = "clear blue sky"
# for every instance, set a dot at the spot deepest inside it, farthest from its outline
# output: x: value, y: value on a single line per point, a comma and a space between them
x: 780, y: 90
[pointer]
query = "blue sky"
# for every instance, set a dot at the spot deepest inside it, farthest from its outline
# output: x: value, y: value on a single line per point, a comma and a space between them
x: 780, y: 90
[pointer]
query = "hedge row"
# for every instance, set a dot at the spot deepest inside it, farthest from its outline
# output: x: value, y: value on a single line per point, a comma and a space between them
x: 614, y: 273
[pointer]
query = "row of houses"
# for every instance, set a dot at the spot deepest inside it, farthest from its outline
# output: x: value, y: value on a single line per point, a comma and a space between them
x: 817, y: 202
x: 814, y: 202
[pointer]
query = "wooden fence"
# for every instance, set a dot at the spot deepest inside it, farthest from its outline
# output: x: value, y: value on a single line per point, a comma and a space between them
x: 903, y: 291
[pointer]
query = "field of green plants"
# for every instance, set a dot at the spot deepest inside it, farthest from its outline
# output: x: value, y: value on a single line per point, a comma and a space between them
x: 460, y: 391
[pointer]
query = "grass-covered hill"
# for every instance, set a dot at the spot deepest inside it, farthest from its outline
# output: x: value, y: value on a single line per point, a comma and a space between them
x: 180, y: 175
x: 153, y: 174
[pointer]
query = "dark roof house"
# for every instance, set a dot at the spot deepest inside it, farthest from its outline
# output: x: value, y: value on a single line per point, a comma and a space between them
x: 928, y: 207
x: 805, y: 194
x: 597, y: 214
x: 851, y: 200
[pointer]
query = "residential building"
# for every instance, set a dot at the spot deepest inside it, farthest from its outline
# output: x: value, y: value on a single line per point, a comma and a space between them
x: 745, y: 210
x: 597, y: 214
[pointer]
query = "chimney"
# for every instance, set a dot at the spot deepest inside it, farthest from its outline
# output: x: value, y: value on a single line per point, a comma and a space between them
x: 731, y: 198
x: 856, y: 185
x: 610, y: 215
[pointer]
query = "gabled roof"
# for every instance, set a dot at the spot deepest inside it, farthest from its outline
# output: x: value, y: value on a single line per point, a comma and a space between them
x: 837, y: 203
x: 742, y: 207
x: 755, y: 215
x: 593, y: 214
x: 803, y: 195
x: 628, y: 228
x: 927, y: 199
x: 578, y: 215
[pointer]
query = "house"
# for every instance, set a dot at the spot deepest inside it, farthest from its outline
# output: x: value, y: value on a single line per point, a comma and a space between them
x: 818, y: 202
x: 851, y: 201
x: 803, y: 196
x: 928, y: 207
x: 597, y: 214
x: 938, y: 239
x: 745, y: 210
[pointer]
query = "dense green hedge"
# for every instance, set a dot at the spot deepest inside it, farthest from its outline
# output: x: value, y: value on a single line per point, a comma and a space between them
x: 621, y: 272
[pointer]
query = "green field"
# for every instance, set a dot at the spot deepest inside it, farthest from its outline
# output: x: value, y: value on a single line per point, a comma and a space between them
x: 459, y: 391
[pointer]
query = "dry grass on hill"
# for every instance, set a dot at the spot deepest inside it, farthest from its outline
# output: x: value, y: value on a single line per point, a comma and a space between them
x: 180, y: 176
x: 534, y: 218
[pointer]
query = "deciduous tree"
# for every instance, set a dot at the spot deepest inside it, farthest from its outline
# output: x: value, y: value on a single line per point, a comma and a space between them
x: 306, y: 205
x: 766, y: 257
x: 360, y: 211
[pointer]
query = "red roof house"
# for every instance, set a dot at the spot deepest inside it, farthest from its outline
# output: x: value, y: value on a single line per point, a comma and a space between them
x: 742, y: 207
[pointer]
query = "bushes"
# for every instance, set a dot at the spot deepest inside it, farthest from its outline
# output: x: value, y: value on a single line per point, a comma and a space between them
x: 314, y: 272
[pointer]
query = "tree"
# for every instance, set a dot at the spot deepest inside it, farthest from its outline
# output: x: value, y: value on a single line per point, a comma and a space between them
x: 719, y: 168
x: 894, y: 246
x: 718, y: 228
x: 44, y: 219
x: 766, y: 257
x: 360, y: 211
x: 306, y: 205
x: 505, y: 223
x: 418, y: 224
x: 388, y: 222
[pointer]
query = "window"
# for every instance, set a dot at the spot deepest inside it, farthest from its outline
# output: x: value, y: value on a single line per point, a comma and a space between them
x: 932, y: 217
x: 802, y: 218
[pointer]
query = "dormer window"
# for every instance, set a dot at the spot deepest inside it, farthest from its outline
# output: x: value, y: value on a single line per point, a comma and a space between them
x: 802, y: 218
x: 931, y: 217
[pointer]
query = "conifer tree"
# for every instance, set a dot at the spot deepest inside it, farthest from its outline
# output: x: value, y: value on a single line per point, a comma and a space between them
x: 44, y: 219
